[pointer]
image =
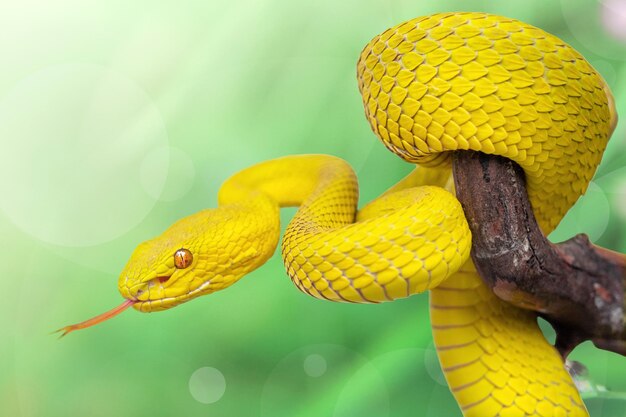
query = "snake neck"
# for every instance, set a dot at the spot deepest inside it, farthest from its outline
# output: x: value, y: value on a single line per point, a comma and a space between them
x: 306, y: 181
x: 324, y: 187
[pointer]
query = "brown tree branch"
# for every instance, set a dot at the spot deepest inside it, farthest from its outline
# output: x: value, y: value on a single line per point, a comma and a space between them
x: 578, y: 287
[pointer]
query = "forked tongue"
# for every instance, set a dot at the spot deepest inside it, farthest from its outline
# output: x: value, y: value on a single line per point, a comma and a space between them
x: 98, y: 319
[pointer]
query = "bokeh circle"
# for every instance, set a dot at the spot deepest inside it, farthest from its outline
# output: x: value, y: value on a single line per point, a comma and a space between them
x: 207, y: 385
x: 348, y: 386
x: 433, y: 366
x: 76, y: 136
x: 598, y: 26
x: 178, y: 176
x: 590, y: 215
x: 613, y: 17
x: 315, y: 365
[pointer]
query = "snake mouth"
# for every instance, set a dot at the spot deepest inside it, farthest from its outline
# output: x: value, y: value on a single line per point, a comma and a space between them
x: 147, y: 287
x: 166, y: 302
x: 149, y: 291
x: 163, y: 279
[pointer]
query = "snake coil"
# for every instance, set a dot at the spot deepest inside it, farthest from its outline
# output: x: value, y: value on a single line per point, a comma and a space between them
x: 431, y: 86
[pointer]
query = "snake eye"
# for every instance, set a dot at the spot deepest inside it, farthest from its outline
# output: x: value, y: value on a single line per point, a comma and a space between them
x: 182, y: 258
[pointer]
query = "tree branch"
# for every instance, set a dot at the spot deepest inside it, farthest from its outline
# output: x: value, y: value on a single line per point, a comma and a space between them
x: 576, y: 286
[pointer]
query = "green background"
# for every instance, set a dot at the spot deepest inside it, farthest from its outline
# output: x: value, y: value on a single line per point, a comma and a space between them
x: 117, y: 118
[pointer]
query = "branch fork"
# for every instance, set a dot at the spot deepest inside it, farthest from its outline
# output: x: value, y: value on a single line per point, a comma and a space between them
x: 576, y: 286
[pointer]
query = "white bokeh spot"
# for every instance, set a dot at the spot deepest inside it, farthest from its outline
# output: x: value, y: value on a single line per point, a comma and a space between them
x: 598, y: 26
x: 178, y: 175
x: 75, y: 136
x: 358, y: 388
x: 315, y: 365
x: 207, y: 385
x: 433, y: 367
x: 620, y: 205
x: 613, y: 15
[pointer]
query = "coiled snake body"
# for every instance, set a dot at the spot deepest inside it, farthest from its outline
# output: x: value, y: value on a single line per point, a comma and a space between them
x: 430, y: 86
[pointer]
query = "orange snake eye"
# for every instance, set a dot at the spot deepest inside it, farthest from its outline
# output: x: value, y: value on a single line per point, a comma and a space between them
x: 183, y: 258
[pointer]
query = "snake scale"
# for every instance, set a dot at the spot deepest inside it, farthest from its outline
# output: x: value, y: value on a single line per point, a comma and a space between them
x: 430, y: 86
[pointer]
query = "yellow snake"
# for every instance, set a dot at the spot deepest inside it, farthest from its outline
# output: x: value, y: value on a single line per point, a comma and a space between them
x: 430, y: 86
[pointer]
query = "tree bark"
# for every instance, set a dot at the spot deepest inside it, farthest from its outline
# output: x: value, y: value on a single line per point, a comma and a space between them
x: 578, y: 287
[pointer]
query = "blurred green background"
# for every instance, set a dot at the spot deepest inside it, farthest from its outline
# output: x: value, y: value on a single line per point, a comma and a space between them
x: 117, y: 118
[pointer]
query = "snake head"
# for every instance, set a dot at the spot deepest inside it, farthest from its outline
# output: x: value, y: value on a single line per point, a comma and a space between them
x: 198, y: 255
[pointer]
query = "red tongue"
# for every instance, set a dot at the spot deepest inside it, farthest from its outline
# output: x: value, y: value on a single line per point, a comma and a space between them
x: 98, y: 319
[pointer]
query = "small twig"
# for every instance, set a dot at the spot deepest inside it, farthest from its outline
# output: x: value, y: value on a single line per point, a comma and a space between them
x: 578, y: 287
